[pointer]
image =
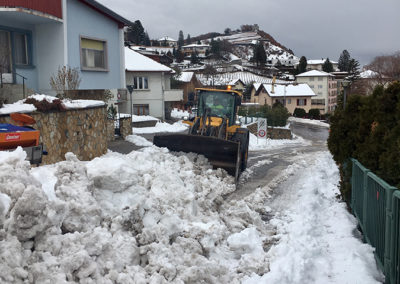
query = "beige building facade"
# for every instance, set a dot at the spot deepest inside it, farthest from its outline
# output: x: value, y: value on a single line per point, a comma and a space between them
x: 292, y: 96
x: 323, y: 85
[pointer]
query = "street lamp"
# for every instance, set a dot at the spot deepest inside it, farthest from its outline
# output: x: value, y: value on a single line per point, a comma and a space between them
x: 130, y: 89
x: 345, y: 84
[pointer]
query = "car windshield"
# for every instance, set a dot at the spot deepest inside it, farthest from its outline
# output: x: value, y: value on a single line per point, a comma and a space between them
x: 220, y: 104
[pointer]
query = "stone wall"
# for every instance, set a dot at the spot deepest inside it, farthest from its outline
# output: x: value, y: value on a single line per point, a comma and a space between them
x: 146, y: 123
x: 126, y: 126
x: 110, y: 130
x: 81, y: 131
x: 272, y: 132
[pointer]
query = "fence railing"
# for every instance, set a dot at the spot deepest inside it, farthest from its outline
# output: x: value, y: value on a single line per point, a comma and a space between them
x: 376, y: 205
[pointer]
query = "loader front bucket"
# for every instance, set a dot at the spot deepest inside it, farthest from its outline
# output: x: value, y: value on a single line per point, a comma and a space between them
x: 219, y: 152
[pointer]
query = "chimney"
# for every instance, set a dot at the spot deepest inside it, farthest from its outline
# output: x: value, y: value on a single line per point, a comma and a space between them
x: 273, y: 85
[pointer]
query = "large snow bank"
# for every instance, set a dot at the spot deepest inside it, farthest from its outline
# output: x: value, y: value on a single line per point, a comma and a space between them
x: 145, y: 217
x: 138, y: 140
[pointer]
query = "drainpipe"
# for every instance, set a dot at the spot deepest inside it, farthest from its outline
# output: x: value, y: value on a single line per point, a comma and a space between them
x: 162, y: 96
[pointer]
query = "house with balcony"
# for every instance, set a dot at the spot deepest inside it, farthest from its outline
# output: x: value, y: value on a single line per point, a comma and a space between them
x: 39, y: 37
x: 151, y: 85
x: 291, y: 96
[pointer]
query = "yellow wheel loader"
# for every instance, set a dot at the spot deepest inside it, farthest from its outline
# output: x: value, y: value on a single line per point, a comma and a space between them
x: 213, y: 132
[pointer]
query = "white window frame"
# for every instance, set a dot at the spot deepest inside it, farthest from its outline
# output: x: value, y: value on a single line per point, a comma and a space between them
x: 139, y: 83
x: 100, y: 69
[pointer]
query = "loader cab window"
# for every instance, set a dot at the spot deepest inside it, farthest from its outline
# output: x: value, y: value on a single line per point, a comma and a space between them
x: 220, y: 104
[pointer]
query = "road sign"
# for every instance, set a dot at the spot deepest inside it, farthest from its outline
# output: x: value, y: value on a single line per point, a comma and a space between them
x: 262, y: 128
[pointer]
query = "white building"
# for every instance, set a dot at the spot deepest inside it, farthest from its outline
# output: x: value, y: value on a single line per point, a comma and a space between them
x: 324, y: 86
x: 318, y: 63
x: 151, y: 82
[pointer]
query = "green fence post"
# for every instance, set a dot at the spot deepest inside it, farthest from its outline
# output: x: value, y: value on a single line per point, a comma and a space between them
x: 365, y: 197
x: 393, y: 277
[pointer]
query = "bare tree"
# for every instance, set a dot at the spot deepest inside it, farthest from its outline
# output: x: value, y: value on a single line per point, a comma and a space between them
x: 66, y: 79
x: 387, y: 67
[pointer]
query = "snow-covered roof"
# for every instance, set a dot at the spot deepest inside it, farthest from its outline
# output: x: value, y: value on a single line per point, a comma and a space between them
x: 314, y: 73
x: 185, y: 77
x: 167, y: 38
x: 367, y: 74
x: 224, y: 79
x: 319, y: 61
x: 195, y: 45
x: 290, y: 90
x: 135, y: 61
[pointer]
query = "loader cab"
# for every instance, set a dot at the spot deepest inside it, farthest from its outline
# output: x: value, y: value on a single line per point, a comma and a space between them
x: 218, y: 103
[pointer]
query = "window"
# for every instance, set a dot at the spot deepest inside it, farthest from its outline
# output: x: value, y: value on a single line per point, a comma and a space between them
x: 15, y: 46
x: 301, y: 102
x: 318, y: 101
x: 312, y: 86
x: 319, y: 86
x: 140, y: 83
x: 311, y: 78
x: 93, y: 54
x: 320, y: 78
x: 140, y: 109
x: 289, y: 101
x: 21, y: 49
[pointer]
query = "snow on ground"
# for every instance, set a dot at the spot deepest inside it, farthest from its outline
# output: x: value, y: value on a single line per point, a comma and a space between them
x: 315, y: 240
x: 257, y: 144
x: 138, y: 140
x: 308, y: 121
x: 153, y: 217
x: 161, y: 127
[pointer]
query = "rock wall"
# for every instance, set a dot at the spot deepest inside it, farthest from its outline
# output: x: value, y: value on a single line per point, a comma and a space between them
x: 126, y: 126
x: 272, y: 132
x: 81, y: 131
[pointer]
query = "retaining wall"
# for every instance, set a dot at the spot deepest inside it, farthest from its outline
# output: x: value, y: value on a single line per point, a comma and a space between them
x: 84, y: 132
x: 272, y: 132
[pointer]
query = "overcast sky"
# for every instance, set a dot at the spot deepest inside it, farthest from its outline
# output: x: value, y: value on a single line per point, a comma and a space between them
x: 314, y: 28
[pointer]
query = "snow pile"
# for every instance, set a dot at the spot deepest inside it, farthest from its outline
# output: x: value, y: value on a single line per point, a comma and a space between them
x: 180, y: 114
x: 257, y: 144
x: 309, y: 121
x: 139, y: 118
x: 145, y: 217
x: 138, y: 140
x: 314, y: 238
x: 161, y: 127
x: 22, y: 107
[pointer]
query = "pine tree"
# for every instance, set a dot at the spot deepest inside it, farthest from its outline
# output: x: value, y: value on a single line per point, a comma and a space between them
x: 194, y: 59
x: 181, y: 41
x: 147, y: 39
x: 354, y: 70
x: 216, y: 48
x: 327, y: 66
x: 179, y: 56
x: 302, y: 67
x: 188, y: 40
x: 136, y: 34
x: 344, y: 61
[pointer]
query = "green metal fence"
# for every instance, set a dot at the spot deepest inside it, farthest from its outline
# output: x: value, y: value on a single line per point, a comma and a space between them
x: 376, y: 205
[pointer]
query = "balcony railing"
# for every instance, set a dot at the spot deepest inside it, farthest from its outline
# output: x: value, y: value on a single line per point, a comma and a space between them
x: 51, y: 7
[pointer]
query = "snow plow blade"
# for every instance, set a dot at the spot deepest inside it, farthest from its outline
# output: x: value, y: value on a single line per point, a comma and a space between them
x: 219, y: 152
